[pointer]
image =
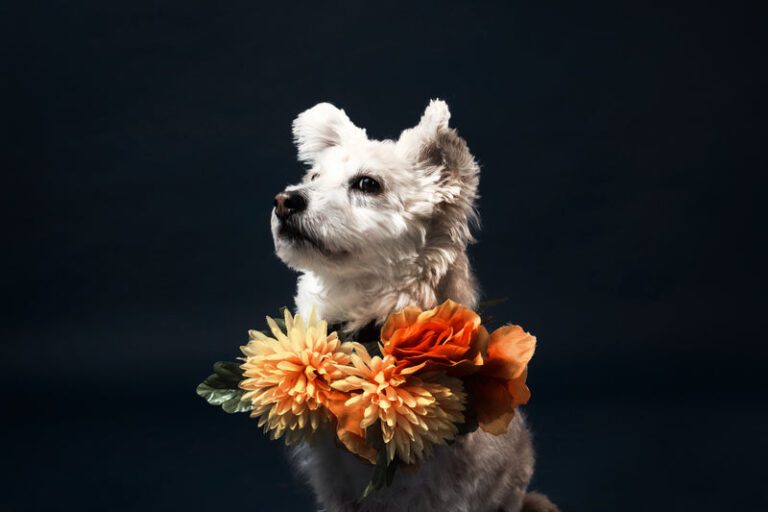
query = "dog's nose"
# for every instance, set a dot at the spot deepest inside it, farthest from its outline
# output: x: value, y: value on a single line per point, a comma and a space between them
x: 288, y: 203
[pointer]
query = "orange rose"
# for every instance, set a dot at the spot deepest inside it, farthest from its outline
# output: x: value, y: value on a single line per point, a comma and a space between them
x: 499, y: 386
x: 448, y: 337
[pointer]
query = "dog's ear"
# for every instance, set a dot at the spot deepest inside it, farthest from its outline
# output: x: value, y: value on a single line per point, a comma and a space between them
x: 436, y: 149
x: 321, y: 127
x: 415, y: 141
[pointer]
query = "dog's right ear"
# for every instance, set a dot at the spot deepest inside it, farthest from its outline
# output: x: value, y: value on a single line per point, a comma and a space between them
x: 322, y: 127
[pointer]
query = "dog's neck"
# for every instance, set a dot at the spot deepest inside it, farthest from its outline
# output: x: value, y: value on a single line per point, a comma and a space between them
x: 354, y: 302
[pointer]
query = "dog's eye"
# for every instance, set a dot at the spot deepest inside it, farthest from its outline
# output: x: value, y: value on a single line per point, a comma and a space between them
x: 367, y: 185
x: 314, y: 176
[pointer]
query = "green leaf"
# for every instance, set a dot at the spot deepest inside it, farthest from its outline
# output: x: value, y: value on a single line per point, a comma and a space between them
x: 280, y: 318
x: 222, y: 387
x: 487, y: 304
x: 229, y: 371
x: 373, y: 348
x: 379, y: 476
x: 391, y: 469
x: 383, y: 470
x: 280, y: 323
x: 470, y: 421
x: 236, y: 404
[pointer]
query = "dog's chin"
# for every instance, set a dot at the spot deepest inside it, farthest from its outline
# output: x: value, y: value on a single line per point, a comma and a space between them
x: 302, y: 251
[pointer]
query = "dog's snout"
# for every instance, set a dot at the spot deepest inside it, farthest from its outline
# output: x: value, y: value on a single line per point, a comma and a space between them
x: 288, y: 203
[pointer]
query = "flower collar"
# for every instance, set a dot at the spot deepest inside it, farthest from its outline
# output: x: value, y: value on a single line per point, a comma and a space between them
x: 392, y: 395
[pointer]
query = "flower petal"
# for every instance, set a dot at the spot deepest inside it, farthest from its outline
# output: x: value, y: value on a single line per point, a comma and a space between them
x: 348, y: 430
x: 509, y: 350
x: 493, y: 403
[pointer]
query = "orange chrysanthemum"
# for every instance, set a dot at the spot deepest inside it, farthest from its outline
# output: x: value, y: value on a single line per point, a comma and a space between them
x: 499, y: 386
x: 447, y: 337
x: 415, y: 412
x: 288, y: 378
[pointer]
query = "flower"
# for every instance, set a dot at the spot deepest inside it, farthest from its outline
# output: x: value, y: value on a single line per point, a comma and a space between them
x: 499, y: 386
x: 449, y: 336
x: 414, y: 412
x: 348, y: 428
x: 288, y: 378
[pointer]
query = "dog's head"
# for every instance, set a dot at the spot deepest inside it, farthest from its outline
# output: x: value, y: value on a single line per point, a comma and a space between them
x: 366, y: 204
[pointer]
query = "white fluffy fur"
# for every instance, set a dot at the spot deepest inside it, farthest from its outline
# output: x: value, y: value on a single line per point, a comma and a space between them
x: 366, y: 256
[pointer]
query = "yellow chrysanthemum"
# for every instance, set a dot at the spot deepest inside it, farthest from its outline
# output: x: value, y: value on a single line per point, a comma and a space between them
x: 415, y: 412
x: 287, y: 378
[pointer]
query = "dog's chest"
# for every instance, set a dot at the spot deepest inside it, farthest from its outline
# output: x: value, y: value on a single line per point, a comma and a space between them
x: 355, y: 304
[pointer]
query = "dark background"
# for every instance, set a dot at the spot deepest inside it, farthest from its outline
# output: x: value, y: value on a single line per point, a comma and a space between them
x: 623, y: 173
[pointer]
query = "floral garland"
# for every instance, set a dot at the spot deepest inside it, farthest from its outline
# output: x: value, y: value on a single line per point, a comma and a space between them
x: 433, y: 375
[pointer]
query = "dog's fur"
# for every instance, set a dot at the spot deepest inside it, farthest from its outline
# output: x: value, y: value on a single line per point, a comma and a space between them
x: 363, y: 256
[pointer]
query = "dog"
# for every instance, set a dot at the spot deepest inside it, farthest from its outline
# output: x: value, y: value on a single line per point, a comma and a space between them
x: 375, y: 226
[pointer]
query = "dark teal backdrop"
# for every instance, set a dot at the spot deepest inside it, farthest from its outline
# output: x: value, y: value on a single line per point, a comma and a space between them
x: 622, y: 202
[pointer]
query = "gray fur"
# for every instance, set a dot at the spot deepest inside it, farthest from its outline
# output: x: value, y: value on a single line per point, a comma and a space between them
x: 479, y: 473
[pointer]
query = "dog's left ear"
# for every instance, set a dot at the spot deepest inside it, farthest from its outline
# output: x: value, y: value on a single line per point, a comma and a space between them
x: 322, y: 127
x: 437, y: 150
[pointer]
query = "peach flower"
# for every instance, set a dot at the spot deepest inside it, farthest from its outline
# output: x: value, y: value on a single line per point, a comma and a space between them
x: 414, y: 412
x: 288, y: 376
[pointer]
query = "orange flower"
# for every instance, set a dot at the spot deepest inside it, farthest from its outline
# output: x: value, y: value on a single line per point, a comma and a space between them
x: 288, y: 377
x: 499, y: 387
x: 414, y: 412
x: 447, y: 337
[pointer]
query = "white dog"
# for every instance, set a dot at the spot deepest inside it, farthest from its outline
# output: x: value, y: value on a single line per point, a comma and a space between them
x: 373, y: 227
